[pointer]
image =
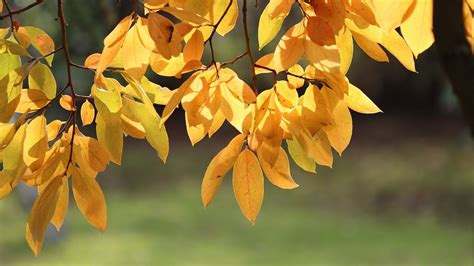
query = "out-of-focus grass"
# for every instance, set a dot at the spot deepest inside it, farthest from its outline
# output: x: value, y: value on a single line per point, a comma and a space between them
x: 378, y: 206
x: 171, y: 227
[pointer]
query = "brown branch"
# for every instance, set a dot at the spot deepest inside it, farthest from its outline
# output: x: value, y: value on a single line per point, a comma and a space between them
x: 215, y: 26
x: 455, y: 53
x: 235, y: 59
x: 249, y: 49
x: 19, y: 11
x: 69, y: 64
x: 9, y: 14
x: 269, y: 69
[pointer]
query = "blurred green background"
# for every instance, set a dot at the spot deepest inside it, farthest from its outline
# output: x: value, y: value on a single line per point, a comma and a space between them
x: 403, y: 193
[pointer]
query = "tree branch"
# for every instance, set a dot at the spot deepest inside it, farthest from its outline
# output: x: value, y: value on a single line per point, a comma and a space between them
x: 69, y: 84
x: 247, y: 43
x: 21, y: 10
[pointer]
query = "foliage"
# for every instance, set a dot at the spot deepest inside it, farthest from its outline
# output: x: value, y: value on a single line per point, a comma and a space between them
x: 308, y: 106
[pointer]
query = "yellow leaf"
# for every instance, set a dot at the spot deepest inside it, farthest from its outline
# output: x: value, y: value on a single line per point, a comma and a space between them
x: 317, y: 147
x: 390, y: 14
x: 340, y: 131
x: 362, y: 8
x: 7, y: 132
x: 89, y: 199
x: 42, y: 42
x: 41, y: 214
x: 300, y: 157
x: 137, y: 48
x: 155, y: 133
x: 11, y: 85
x: 296, y: 82
x: 218, y: 168
x: 61, y: 205
x: 345, y: 45
x: 279, y: 7
x: 217, y: 122
x: 195, y: 132
x: 12, y: 48
x: 22, y: 36
x: 45, y: 46
x: 371, y: 48
x: 67, y: 103
x: 418, y: 28
x: 9, y: 63
x: 112, y: 44
x: 140, y: 91
x: 268, y: 27
x: 278, y: 174
x: 41, y: 78
x: 360, y: 26
x: 167, y: 40
x: 108, y: 99
x: 155, y: 4
x: 31, y: 100
x: 287, y: 96
x: 87, y: 113
x: 359, y: 102
x: 266, y: 61
x: 325, y: 58
x: 247, y: 180
x: 194, y: 47
x: 13, y: 165
x: 217, y: 10
x: 237, y: 86
x: 320, y: 31
x: 94, y: 154
x: 185, y: 15
x: 290, y: 48
x: 35, y: 143
x: 110, y: 135
x: 232, y: 107
x: 53, y: 129
x: 397, y: 46
x: 176, y: 98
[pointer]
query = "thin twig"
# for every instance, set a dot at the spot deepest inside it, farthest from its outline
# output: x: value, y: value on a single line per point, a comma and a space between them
x: 249, y: 49
x: 235, y: 59
x: 215, y: 26
x: 69, y: 84
x: 10, y: 15
x: 19, y: 11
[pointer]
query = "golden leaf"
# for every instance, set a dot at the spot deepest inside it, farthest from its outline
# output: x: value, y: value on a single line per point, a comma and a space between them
x: 67, y: 103
x: 112, y: 44
x: 87, y: 113
x: 89, y: 199
x: 418, y: 27
x: 247, y: 180
x: 278, y: 174
x: 218, y: 168
x: 41, y: 214
x: 290, y: 48
x: 300, y: 157
x: 359, y: 102
x: 268, y: 26
x: 61, y: 205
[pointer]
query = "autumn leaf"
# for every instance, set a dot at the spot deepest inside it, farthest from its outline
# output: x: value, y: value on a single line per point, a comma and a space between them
x: 218, y: 168
x: 89, y: 199
x: 247, y: 180
x: 87, y: 113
